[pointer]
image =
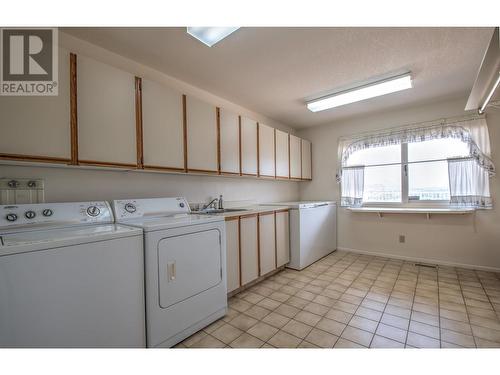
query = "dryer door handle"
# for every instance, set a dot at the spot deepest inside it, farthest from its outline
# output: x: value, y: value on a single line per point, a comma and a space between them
x: 171, y: 272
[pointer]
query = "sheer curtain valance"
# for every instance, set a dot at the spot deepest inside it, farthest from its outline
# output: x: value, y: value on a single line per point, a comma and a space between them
x: 466, y: 175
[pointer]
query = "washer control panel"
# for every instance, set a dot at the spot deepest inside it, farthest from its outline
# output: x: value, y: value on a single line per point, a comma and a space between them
x: 55, y: 213
x: 137, y: 208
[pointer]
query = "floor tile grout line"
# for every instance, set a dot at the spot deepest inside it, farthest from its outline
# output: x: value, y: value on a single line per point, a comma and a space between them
x: 466, y: 308
x: 439, y: 307
x: 411, y: 308
x: 378, y: 323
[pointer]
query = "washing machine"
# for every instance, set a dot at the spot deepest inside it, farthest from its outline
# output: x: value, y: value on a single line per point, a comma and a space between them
x: 185, y: 266
x: 69, y: 277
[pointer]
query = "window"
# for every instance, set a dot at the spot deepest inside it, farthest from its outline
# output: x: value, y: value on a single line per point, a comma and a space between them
x: 408, y: 172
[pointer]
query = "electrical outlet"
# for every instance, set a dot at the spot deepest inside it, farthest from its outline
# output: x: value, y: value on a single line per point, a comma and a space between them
x: 402, y: 238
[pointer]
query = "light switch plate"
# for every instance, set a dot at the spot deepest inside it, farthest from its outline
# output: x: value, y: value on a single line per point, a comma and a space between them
x: 22, y: 191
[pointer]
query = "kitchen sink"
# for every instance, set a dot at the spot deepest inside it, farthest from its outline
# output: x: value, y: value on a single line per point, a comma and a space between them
x: 218, y: 211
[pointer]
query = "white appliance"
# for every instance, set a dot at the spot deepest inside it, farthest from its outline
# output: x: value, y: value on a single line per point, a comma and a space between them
x: 69, y: 277
x: 313, y: 231
x: 185, y: 260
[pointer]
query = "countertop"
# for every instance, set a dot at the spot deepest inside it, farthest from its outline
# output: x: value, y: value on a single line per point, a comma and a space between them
x: 250, y: 210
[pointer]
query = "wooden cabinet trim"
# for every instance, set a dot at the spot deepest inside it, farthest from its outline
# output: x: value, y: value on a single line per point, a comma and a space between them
x: 184, y: 131
x: 35, y: 158
x: 239, y: 140
x: 283, y: 210
x: 138, y: 123
x: 239, y: 250
x: 258, y: 151
x: 73, y: 89
x: 107, y: 164
x: 231, y: 218
x: 248, y: 215
x: 259, y: 271
x: 266, y: 213
x: 217, y: 120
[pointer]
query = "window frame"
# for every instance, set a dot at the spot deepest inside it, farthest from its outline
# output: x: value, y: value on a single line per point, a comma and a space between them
x: 405, y: 201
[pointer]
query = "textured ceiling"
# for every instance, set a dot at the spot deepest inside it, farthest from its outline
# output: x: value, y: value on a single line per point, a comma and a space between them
x: 274, y: 70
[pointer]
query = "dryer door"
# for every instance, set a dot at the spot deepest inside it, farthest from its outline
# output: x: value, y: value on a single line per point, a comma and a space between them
x: 188, y: 264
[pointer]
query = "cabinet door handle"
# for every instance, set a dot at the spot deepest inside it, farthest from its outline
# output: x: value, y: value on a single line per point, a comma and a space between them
x: 171, y: 271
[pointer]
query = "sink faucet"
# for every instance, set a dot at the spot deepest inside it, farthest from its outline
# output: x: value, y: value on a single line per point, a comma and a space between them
x: 211, y: 204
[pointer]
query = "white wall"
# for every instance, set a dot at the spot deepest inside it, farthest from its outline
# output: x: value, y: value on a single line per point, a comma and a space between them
x: 75, y: 184
x: 472, y: 240
x: 72, y: 184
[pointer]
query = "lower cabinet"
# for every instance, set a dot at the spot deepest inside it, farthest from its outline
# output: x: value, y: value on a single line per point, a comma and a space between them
x: 256, y: 244
x: 282, y: 238
x: 249, y: 248
x: 233, y: 253
x: 267, y: 243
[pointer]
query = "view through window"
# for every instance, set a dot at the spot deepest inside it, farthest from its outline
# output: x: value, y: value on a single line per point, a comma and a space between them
x: 423, y: 177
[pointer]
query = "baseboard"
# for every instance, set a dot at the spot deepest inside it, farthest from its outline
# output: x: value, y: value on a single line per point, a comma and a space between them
x: 421, y: 260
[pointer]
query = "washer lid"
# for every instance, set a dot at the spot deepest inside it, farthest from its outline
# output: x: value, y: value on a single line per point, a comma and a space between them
x: 49, y: 238
x: 171, y: 221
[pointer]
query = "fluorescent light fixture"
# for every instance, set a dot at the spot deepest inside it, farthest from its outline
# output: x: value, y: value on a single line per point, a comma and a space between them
x: 210, y: 35
x: 386, y: 86
x: 488, y: 98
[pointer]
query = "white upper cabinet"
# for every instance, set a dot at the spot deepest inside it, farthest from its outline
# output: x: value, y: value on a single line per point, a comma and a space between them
x: 266, y: 151
x: 295, y: 157
x: 201, y: 123
x: 38, y: 126
x: 106, y: 114
x: 162, y: 126
x: 306, y: 160
x: 229, y: 142
x: 282, y: 165
x: 248, y: 146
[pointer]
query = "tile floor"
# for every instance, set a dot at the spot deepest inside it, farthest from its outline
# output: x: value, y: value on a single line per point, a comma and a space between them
x: 348, y: 300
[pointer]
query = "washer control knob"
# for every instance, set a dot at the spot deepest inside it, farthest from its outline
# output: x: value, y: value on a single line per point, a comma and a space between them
x: 130, y: 208
x: 30, y: 214
x: 93, y: 211
x: 47, y: 212
x: 181, y: 205
x: 11, y: 217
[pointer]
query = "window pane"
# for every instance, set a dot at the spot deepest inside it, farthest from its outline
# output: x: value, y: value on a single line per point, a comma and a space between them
x: 428, y: 181
x: 437, y: 149
x: 375, y: 155
x: 382, y: 184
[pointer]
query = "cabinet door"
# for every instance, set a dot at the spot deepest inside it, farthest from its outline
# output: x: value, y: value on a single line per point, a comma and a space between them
x: 233, y: 254
x: 229, y: 142
x: 306, y: 160
x: 162, y: 127
x: 267, y: 244
x: 201, y: 124
x: 38, y: 126
x: 249, y: 249
x: 106, y: 114
x: 266, y: 151
x: 282, y: 146
x: 295, y: 156
x: 248, y: 146
x: 282, y: 238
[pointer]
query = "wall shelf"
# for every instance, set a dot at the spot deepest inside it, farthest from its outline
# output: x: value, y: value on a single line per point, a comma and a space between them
x: 408, y: 210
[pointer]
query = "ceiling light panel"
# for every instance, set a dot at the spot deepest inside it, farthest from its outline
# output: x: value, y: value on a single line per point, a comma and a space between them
x: 210, y: 35
x: 386, y: 86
